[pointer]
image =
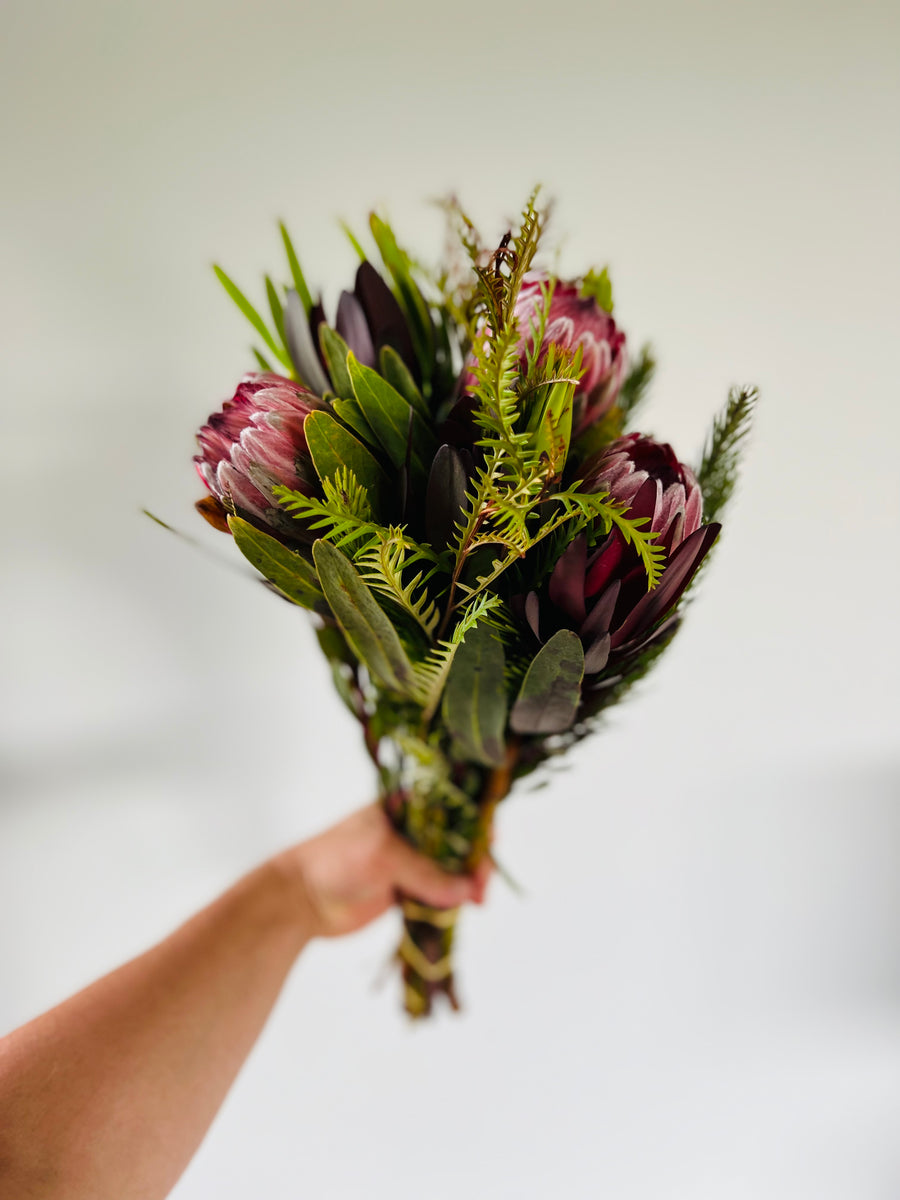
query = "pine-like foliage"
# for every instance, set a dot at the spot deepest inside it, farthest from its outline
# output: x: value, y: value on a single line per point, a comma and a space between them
x: 718, y: 470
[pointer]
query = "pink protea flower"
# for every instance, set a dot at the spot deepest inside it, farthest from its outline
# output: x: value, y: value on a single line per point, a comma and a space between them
x: 602, y: 594
x: 254, y: 443
x: 576, y: 319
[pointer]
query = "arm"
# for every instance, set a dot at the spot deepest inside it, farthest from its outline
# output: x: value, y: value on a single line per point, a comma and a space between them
x: 110, y: 1093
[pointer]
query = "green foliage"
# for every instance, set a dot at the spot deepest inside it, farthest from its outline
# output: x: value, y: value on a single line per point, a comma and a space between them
x: 296, y: 274
x: 474, y: 708
x: 382, y: 565
x: 718, y: 470
x: 370, y: 634
x: 333, y: 447
x: 637, y: 382
x: 432, y: 672
x: 551, y: 690
x: 414, y: 305
x: 403, y: 433
x: 335, y: 350
x: 597, y: 285
x: 252, y: 316
x: 286, y: 569
x: 397, y: 373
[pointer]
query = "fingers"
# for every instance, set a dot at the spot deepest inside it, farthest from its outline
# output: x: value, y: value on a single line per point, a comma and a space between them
x: 481, y: 877
x: 424, y: 880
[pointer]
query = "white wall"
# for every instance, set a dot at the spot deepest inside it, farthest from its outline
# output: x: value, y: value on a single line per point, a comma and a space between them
x: 700, y: 995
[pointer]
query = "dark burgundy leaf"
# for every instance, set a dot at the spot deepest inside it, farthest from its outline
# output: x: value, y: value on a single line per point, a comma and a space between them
x: 384, y: 315
x: 445, y: 496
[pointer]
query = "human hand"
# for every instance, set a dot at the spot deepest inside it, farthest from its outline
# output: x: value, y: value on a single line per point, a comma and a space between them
x: 353, y: 872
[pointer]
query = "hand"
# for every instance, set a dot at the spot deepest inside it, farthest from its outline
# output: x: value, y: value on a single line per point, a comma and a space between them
x: 353, y: 872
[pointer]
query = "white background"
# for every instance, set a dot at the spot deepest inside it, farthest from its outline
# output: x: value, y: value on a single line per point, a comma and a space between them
x: 699, y: 995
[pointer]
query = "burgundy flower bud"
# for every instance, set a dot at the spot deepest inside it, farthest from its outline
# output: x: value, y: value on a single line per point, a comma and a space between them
x: 603, y: 594
x: 256, y: 442
x: 577, y: 320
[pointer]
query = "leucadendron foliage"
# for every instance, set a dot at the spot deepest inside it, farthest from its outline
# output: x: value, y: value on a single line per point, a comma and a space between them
x: 442, y: 474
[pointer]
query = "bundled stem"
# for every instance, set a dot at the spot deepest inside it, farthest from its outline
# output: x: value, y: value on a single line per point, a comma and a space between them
x: 426, y: 948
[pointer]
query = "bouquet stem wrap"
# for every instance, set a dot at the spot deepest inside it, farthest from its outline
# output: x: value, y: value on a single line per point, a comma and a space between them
x: 425, y: 952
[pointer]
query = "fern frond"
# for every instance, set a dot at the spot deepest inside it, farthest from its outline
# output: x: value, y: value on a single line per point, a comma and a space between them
x: 718, y: 470
x: 344, y: 516
x: 346, y: 494
x: 430, y: 675
x: 382, y: 565
x: 595, y: 508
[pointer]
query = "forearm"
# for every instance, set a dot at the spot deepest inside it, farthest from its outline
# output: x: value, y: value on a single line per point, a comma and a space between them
x: 110, y: 1094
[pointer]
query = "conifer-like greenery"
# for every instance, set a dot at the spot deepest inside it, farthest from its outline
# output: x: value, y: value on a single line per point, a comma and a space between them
x: 447, y: 530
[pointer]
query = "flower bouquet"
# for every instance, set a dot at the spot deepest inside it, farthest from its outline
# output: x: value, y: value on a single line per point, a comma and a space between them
x: 443, y: 476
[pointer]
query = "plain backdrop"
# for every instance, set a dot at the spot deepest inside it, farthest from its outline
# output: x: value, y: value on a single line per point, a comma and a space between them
x: 698, y: 994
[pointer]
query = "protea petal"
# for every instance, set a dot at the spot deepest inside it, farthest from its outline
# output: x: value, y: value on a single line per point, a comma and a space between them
x: 566, y: 586
x: 256, y: 443
x: 677, y: 575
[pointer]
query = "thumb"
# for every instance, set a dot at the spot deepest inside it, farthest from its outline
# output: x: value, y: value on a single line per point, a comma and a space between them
x: 424, y: 880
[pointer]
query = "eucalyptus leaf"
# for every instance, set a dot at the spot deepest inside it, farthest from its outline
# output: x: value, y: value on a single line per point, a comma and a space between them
x: 368, y: 631
x: 286, y: 569
x: 332, y: 447
x: 551, y: 690
x: 474, y: 706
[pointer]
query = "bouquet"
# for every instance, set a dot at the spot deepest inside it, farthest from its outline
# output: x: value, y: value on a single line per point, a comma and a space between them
x: 443, y: 474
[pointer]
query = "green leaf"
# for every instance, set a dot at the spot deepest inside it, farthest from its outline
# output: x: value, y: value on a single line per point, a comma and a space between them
x: 296, y: 273
x: 276, y: 308
x: 262, y: 362
x: 397, y: 373
x: 413, y: 303
x: 354, y: 241
x: 250, y: 313
x: 288, y: 570
x: 551, y: 690
x: 551, y: 424
x: 351, y: 414
x: 332, y: 447
x: 598, y: 286
x: 367, y: 629
x: 475, y: 698
x: 336, y: 350
x: 389, y: 416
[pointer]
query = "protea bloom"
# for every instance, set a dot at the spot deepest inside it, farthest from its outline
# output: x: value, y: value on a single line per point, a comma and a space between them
x: 577, y: 319
x: 254, y: 443
x: 602, y: 594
